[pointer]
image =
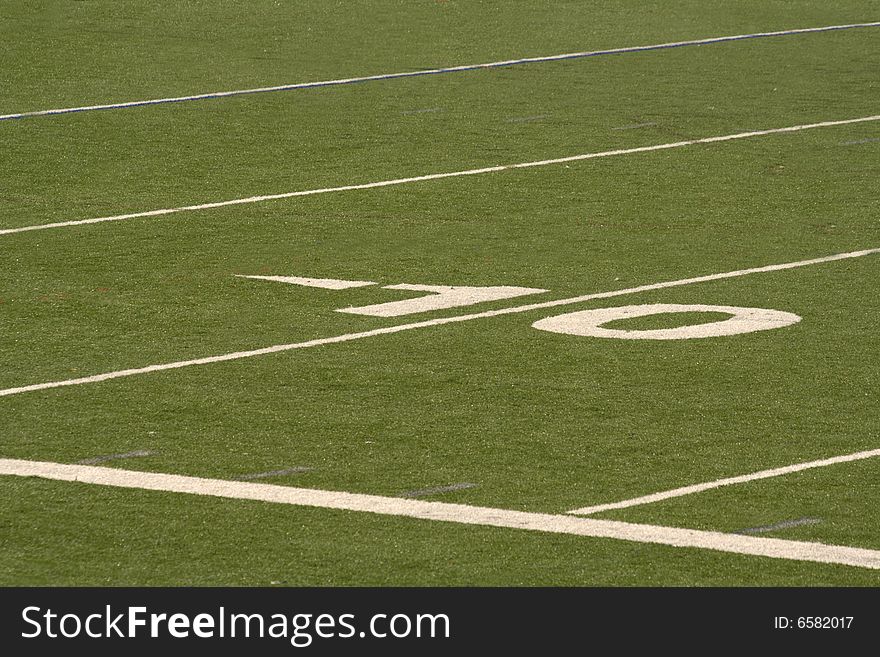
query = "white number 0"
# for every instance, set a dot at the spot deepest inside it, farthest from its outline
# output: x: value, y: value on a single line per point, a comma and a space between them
x: 741, y: 320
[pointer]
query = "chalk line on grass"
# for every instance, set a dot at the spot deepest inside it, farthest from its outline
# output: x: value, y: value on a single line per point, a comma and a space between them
x: 439, y: 176
x: 447, y: 512
x: 728, y: 481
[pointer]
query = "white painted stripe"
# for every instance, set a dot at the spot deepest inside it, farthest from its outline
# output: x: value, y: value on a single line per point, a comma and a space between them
x: 430, y: 322
x: 325, y: 283
x: 436, y: 71
x: 439, y: 176
x: 446, y: 512
x: 699, y: 488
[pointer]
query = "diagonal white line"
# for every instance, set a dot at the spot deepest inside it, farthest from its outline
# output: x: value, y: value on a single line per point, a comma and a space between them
x: 431, y: 322
x: 439, y: 176
x: 709, y: 485
x: 436, y: 71
x: 446, y: 512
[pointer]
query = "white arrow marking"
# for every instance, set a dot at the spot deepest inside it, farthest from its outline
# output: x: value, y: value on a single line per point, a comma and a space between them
x: 326, y: 283
x: 443, y: 296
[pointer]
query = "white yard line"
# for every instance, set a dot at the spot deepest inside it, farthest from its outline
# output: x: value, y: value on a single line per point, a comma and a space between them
x: 436, y: 71
x: 445, y: 512
x: 718, y: 483
x: 431, y: 322
x: 439, y: 176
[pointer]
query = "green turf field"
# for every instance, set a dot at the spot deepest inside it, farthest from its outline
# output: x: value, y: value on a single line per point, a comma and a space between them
x: 507, y: 417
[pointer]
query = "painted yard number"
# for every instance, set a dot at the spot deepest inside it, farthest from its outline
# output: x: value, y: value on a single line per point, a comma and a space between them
x: 741, y: 320
x: 583, y: 322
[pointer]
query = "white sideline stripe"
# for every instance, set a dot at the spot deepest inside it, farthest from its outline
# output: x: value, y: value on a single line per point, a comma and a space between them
x: 699, y: 488
x: 435, y: 71
x: 324, y: 283
x: 438, y: 176
x: 446, y: 512
x: 431, y: 322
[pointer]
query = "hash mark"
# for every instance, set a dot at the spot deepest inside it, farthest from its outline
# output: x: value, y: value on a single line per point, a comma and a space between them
x: 870, y: 140
x: 275, y: 473
x: 113, y: 457
x: 527, y: 119
x: 785, y: 524
x: 422, y: 111
x: 636, y: 126
x: 438, y: 489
